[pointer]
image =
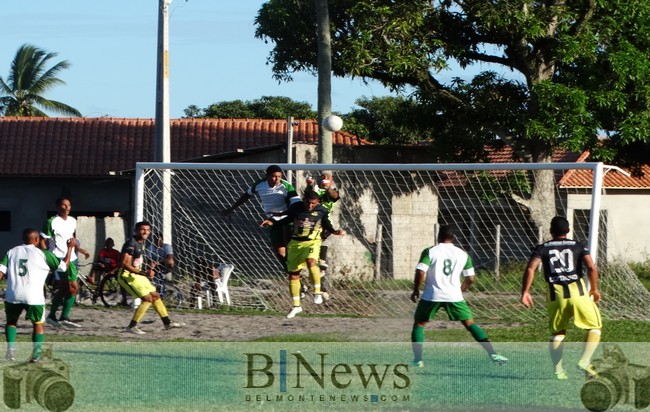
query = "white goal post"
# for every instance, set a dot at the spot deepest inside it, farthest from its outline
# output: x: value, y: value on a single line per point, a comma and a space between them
x: 390, y: 212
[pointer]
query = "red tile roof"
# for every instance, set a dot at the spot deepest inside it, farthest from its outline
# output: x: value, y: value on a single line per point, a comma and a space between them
x: 36, y: 146
x: 613, y: 179
x: 44, y: 146
x: 505, y: 155
x: 582, y: 178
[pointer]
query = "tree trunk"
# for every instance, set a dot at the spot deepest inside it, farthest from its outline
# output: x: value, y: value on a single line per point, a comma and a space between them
x: 542, y: 201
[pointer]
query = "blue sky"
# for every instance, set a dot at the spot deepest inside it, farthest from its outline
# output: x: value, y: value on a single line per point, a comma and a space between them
x: 111, y: 46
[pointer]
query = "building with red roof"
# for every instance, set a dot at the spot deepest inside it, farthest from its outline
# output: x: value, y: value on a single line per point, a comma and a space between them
x: 92, y: 159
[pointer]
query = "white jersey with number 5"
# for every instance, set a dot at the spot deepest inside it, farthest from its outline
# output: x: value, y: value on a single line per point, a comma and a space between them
x: 444, y: 264
x: 26, y: 267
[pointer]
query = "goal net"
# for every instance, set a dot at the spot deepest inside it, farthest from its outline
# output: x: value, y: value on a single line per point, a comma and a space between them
x: 390, y: 214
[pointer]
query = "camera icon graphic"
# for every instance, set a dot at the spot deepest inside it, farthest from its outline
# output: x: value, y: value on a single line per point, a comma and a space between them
x: 46, y: 383
x: 618, y: 381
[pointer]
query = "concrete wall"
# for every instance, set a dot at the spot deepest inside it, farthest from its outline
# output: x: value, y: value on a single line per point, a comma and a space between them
x: 628, y: 226
x: 413, y: 228
x: 31, y: 201
x: 92, y: 232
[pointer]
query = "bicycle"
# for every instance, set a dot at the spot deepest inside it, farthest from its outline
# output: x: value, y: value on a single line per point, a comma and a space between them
x: 52, y: 286
x: 86, y: 290
x: 108, y: 290
x: 170, y: 294
x: 111, y: 292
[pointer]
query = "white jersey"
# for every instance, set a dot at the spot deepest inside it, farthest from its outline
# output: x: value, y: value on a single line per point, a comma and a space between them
x: 443, y: 265
x: 275, y: 200
x: 26, y: 267
x: 59, y: 230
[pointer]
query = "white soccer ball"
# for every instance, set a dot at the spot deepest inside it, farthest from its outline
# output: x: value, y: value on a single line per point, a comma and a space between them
x: 333, y: 123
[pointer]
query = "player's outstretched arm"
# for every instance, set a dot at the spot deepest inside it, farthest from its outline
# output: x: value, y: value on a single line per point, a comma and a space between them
x: 242, y: 199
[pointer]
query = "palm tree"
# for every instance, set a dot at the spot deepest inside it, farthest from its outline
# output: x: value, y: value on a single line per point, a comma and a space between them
x: 28, y: 80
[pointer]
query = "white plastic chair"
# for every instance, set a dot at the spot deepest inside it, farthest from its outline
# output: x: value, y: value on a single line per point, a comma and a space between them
x: 221, y: 284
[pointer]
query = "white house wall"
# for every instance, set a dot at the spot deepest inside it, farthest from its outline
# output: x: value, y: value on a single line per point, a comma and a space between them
x: 628, y: 224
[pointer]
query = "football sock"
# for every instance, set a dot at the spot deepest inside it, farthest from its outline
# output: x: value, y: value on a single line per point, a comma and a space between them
x: 56, y: 304
x: 417, y: 339
x: 591, y: 343
x: 477, y: 332
x: 140, y: 311
x: 556, y: 349
x: 68, y: 304
x: 160, y: 308
x: 323, y: 253
x: 314, y: 271
x: 10, y: 334
x: 417, y: 334
x: 481, y: 337
x: 294, y: 287
x: 37, y: 339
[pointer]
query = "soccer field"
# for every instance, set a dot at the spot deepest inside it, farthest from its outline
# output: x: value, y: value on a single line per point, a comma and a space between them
x: 207, y: 376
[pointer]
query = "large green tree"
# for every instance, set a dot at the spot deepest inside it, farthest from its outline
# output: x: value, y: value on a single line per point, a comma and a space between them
x: 266, y: 107
x: 575, y: 69
x: 22, y: 93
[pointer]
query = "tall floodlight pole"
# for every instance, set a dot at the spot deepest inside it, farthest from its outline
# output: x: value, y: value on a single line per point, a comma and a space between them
x: 162, y: 146
x: 162, y: 151
x: 324, y: 80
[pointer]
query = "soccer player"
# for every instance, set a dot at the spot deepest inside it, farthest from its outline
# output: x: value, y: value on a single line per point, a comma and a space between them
x: 57, y: 230
x: 568, y: 294
x: 160, y: 256
x: 328, y: 198
x: 136, y: 280
x: 440, y: 268
x: 329, y: 195
x: 309, y: 218
x: 276, y: 194
x: 26, y: 267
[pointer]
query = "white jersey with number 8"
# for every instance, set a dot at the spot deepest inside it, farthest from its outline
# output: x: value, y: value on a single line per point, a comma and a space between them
x: 444, y: 264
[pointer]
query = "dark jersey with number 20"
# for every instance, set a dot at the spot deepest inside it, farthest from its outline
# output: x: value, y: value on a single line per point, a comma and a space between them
x: 562, y: 261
